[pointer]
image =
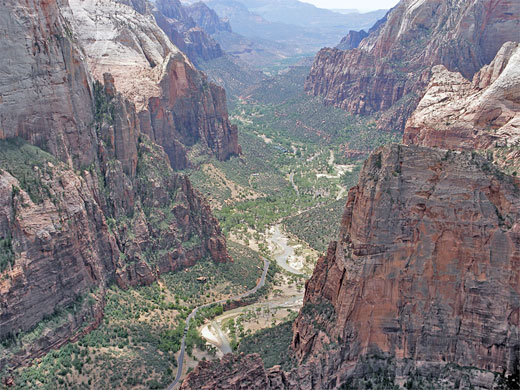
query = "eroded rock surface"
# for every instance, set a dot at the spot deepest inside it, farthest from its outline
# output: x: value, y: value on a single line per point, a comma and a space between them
x: 102, y: 203
x: 484, y: 113
x: 421, y: 289
x: 233, y: 372
x: 60, y: 243
x: 391, y: 67
x: 176, y: 104
x: 352, y: 40
x: 426, y: 267
x: 207, y: 18
x: 44, y: 84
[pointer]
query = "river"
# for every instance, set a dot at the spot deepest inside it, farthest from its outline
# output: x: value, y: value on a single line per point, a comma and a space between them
x: 285, y: 257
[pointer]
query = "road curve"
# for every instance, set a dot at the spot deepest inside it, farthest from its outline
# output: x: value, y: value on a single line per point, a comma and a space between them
x: 180, y: 359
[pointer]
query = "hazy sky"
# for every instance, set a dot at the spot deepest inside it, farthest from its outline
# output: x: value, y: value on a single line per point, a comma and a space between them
x: 364, y: 5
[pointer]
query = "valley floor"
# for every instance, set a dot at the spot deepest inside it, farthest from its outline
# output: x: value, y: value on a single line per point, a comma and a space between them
x: 281, y: 199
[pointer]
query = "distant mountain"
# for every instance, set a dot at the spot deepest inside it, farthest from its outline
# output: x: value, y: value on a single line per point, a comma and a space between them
x: 206, y: 18
x: 302, y: 27
x: 345, y: 10
x: 252, y: 25
x: 177, y: 22
x: 297, y: 13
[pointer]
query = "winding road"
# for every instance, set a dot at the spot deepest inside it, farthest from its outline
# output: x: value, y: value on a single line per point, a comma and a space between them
x: 291, y: 179
x: 180, y: 359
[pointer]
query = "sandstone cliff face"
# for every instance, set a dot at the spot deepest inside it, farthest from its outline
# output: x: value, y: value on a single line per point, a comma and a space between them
x: 186, y: 27
x: 459, y: 114
x: 426, y: 267
x: 176, y: 105
x: 58, y: 249
x: 189, y: 101
x: 59, y: 241
x: 128, y: 218
x: 105, y: 205
x: 42, y: 67
x: 390, y: 68
x: 424, y: 282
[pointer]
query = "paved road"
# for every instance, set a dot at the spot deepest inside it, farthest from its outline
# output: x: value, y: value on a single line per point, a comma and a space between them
x: 180, y: 359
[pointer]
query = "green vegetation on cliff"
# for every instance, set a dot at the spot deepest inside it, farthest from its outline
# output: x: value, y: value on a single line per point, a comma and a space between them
x: 272, y: 344
x: 29, y: 165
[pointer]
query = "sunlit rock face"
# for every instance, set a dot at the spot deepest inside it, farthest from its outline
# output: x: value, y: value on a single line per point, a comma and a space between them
x: 82, y: 182
x: 389, y: 70
x: 177, y: 106
x: 426, y: 267
x: 483, y: 113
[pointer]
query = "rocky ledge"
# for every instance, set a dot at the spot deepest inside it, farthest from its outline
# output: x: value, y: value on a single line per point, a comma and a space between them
x: 389, y: 70
x: 482, y: 114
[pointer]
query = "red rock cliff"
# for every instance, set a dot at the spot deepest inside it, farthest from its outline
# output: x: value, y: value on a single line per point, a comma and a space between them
x: 104, y: 204
x: 422, y: 288
x: 426, y: 267
x: 389, y: 70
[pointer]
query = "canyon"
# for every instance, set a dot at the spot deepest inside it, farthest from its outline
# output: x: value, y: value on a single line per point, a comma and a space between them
x: 422, y: 286
x: 94, y: 130
x: 127, y: 201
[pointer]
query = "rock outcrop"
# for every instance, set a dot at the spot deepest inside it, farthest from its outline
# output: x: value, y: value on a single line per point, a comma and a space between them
x: 186, y: 26
x: 88, y: 196
x: 58, y: 238
x: 352, y: 40
x: 422, y: 288
x: 426, y: 267
x: 188, y: 34
x: 484, y: 113
x: 387, y: 73
x: 176, y: 105
x: 234, y: 372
